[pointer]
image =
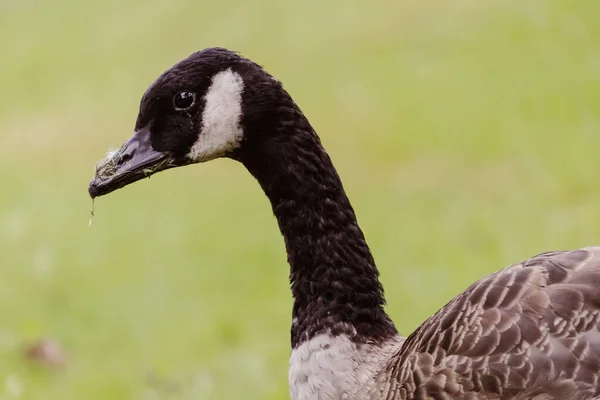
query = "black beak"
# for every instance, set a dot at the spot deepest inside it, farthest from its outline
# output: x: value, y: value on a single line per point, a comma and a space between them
x: 135, y: 160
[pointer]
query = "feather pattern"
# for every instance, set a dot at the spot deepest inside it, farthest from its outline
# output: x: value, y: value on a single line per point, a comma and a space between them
x: 520, y: 333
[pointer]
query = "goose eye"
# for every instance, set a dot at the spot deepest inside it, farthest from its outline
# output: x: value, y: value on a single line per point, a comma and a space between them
x: 184, y: 100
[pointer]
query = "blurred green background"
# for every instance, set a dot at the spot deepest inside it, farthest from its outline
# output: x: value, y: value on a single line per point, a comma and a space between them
x: 466, y: 132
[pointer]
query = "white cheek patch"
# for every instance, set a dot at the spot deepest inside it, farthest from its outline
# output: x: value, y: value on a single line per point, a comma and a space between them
x: 221, y: 131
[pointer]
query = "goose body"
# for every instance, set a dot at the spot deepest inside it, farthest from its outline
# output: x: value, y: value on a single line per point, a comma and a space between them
x: 528, y: 331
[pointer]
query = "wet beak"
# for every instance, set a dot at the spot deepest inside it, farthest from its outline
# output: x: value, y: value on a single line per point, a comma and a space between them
x: 135, y: 160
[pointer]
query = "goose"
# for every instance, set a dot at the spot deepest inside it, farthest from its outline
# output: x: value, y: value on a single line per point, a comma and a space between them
x: 528, y: 331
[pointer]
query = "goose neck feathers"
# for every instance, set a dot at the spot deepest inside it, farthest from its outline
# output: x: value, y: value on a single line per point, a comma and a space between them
x: 334, y: 279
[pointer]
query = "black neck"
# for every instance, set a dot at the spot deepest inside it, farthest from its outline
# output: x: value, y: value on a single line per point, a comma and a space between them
x: 334, y: 279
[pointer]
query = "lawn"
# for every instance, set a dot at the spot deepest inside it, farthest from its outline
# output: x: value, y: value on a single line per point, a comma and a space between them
x: 467, y: 134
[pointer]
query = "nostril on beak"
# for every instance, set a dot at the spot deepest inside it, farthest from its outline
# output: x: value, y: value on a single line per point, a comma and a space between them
x: 125, y: 157
x: 128, y: 151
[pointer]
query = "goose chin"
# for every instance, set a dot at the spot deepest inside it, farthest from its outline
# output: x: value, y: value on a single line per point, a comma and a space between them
x: 135, y: 160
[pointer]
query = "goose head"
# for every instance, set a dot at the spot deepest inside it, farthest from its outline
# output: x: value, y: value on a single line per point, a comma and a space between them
x: 207, y: 106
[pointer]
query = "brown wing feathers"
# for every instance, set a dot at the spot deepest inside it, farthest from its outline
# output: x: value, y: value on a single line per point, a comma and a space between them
x: 530, y: 327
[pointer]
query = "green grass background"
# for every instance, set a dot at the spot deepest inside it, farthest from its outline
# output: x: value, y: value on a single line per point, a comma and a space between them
x: 467, y: 134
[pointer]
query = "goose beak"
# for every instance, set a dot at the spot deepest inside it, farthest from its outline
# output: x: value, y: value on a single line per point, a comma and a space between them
x: 135, y: 160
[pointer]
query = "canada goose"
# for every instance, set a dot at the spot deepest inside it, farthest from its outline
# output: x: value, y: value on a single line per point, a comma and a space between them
x: 528, y: 331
